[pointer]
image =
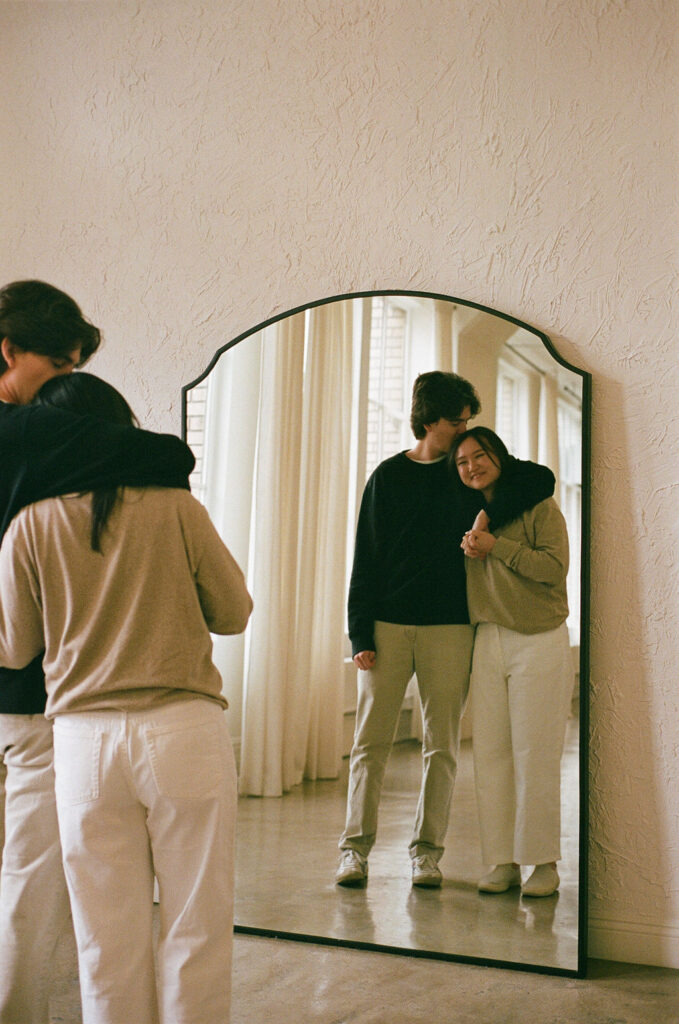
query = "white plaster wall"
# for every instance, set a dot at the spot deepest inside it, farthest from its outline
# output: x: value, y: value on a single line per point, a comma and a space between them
x: 189, y: 169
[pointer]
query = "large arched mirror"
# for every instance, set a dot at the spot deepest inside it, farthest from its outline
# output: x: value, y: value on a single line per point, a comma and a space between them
x: 287, y: 422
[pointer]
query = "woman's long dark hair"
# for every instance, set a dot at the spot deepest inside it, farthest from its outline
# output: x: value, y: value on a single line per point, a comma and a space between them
x: 520, y: 485
x: 90, y: 396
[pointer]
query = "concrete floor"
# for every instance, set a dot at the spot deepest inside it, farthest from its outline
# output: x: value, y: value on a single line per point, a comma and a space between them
x: 287, y: 855
x: 279, y: 981
x: 276, y: 982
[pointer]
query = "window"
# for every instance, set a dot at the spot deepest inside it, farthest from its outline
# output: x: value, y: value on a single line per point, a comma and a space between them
x: 512, y: 409
x: 387, y: 428
x: 196, y: 408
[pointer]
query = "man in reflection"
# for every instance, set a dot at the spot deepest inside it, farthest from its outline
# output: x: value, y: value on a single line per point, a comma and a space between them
x: 408, y: 614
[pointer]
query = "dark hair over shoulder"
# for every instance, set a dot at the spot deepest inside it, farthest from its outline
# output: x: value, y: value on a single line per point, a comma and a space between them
x: 88, y: 395
x: 437, y: 395
x: 37, y: 317
x: 521, y: 484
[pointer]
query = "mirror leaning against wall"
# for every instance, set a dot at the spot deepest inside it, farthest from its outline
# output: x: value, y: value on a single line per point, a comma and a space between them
x: 287, y: 423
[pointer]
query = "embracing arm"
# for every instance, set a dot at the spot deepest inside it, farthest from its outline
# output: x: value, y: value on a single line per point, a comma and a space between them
x: 21, y: 627
x: 85, y: 452
x: 527, y: 484
x: 48, y: 452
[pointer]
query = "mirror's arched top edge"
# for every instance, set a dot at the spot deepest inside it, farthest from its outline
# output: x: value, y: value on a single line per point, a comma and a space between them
x: 546, y: 340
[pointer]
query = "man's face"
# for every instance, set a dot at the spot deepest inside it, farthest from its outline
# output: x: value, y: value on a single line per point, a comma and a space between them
x: 28, y: 371
x: 442, y: 433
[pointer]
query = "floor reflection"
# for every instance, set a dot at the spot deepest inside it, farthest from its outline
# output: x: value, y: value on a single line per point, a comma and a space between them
x: 287, y: 854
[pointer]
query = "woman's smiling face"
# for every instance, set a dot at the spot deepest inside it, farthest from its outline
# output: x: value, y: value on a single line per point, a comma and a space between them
x: 478, y: 469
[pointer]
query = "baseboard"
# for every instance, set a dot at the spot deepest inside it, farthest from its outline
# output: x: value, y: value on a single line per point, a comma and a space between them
x: 634, y: 942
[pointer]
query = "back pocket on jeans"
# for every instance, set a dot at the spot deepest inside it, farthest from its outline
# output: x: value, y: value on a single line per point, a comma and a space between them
x: 187, y: 762
x: 76, y: 765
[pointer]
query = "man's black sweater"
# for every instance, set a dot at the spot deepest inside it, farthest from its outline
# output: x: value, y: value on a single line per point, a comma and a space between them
x: 408, y: 566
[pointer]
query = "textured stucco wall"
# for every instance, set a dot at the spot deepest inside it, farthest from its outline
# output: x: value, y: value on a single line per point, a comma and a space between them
x: 189, y: 169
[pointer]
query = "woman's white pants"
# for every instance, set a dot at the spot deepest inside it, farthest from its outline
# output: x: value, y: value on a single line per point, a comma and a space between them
x: 138, y: 794
x: 521, y: 693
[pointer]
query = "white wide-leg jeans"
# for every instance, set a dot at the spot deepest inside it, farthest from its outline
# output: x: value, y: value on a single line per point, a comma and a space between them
x: 140, y: 793
x: 33, y: 897
x: 521, y: 692
x: 441, y: 658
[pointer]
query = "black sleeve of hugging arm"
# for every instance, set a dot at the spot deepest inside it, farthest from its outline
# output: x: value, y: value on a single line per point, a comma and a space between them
x: 45, y: 452
x: 525, y: 485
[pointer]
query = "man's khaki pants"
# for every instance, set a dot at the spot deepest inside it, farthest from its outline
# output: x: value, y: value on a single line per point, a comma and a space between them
x: 440, y: 656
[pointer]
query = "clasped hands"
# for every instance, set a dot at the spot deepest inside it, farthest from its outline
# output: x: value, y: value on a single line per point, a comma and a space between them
x: 478, y: 541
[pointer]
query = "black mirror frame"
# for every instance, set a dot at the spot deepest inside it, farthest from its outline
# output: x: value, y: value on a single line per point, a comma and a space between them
x: 581, y: 970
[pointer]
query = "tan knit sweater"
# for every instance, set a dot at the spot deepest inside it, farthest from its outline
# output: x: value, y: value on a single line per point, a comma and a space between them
x: 128, y: 628
x: 522, y: 582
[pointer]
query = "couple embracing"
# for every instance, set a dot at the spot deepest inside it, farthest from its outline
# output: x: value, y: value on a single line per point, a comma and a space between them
x: 460, y: 567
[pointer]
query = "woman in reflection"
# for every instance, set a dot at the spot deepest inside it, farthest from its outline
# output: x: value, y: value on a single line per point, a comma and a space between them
x: 522, y: 672
x: 121, y: 588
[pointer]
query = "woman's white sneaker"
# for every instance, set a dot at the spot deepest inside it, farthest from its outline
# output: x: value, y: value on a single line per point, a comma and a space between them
x: 543, y: 882
x: 500, y: 879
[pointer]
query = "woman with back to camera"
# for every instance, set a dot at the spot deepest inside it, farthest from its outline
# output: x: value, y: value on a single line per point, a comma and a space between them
x: 522, y: 672
x: 121, y: 587
x: 46, y: 451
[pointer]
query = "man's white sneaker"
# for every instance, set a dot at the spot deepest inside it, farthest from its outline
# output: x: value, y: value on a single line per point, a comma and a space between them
x: 501, y: 878
x: 352, y: 869
x: 426, y: 872
x: 543, y: 882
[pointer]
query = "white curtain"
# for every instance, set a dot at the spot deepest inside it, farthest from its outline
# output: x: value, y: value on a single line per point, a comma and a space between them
x: 323, y: 527
x: 293, y: 691
x: 230, y: 434
x: 267, y: 756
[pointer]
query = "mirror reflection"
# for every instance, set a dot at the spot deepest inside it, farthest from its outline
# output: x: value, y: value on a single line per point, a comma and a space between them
x: 288, y: 424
